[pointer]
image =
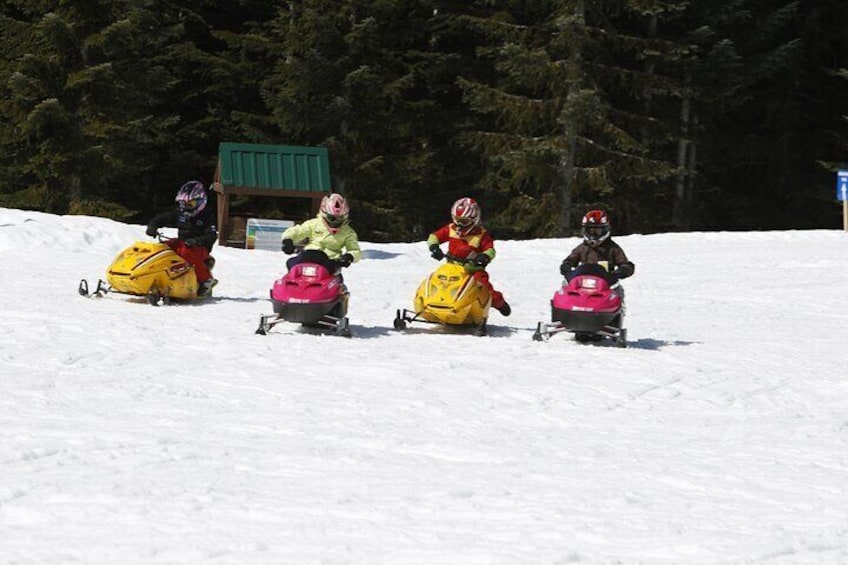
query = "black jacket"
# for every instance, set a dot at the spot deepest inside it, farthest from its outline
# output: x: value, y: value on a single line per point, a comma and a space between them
x: 200, y: 229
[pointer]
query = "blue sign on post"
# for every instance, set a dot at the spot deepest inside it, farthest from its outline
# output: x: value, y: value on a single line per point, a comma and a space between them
x: 842, y: 185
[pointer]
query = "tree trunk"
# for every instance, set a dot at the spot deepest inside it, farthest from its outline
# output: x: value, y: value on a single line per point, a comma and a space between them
x: 691, y: 176
x: 680, y: 213
x: 567, y: 171
x: 650, y: 66
x: 569, y: 159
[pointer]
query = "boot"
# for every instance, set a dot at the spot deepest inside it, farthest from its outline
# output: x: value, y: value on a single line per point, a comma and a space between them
x: 504, y: 309
x: 206, y: 286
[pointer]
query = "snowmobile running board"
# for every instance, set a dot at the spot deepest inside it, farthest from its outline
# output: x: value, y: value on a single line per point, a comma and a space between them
x: 404, y: 317
x: 544, y: 331
x: 102, y: 288
x: 153, y: 297
x: 341, y: 326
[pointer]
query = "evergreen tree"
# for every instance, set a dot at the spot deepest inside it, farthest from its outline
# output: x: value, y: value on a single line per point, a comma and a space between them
x: 823, y: 79
x: 745, y: 84
x: 53, y: 93
x: 672, y: 113
x: 555, y: 144
x: 368, y: 80
x: 205, y: 71
x: 114, y: 104
x: 640, y: 62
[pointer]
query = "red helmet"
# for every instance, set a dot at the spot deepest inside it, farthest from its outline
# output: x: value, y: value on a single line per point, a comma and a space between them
x: 334, y: 212
x: 596, y: 227
x: 466, y: 215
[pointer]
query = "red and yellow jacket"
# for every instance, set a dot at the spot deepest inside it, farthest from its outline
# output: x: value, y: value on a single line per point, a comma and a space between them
x: 477, y: 241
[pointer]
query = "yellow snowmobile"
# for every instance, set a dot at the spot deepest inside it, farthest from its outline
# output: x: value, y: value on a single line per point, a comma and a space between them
x: 450, y: 296
x: 149, y: 269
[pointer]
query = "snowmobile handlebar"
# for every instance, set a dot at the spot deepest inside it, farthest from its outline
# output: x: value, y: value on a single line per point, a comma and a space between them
x: 159, y: 236
x: 162, y: 238
x: 460, y: 260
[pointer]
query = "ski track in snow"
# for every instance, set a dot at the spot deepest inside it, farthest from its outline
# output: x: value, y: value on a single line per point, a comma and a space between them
x: 134, y: 434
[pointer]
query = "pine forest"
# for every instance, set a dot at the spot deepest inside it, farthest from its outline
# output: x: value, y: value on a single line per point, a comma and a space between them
x: 674, y: 115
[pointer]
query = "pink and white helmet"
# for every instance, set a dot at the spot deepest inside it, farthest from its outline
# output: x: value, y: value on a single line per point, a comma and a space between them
x: 192, y: 198
x: 466, y: 215
x: 334, y: 211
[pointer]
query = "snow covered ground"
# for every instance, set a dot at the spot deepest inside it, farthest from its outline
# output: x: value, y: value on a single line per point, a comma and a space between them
x: 132, y: 434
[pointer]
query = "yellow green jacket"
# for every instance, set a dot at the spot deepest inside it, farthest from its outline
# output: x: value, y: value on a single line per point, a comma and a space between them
x: 313, y: 234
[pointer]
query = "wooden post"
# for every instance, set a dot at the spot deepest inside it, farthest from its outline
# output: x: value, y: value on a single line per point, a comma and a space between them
x: 223, y: 211
x: 223, y: 203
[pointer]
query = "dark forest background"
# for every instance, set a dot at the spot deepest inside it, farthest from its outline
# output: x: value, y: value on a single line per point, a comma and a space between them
x: 672, y: 114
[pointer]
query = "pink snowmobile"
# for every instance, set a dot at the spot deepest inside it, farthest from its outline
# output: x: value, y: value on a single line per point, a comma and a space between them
x: 311, y: 295
x: 589, y: 305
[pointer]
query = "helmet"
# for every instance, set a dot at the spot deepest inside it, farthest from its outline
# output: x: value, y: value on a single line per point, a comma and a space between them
x: 334, y: 212
x: 466, y: 215
x: 192, y: 198
x: 596, y: 227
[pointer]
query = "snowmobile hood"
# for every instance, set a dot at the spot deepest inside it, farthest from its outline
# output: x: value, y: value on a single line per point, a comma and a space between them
x: 451, y: 295
x: 307, y: 283
x: 152, y: 266
x: 587, y: 293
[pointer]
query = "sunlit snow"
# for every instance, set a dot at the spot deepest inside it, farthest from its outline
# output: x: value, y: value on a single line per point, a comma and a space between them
x: 131, y: 434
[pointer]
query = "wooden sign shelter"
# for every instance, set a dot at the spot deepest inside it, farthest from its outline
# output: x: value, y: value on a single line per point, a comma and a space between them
x: 269, y: 170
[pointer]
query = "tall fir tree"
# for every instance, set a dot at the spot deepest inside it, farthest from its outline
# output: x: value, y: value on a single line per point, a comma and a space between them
x: 675, y: 114
x: 555, y: 143
x: 54, y: 92
x: 114, y: 104
x: 744, y: 89
x: 639, y: 61
x: 374, y: 81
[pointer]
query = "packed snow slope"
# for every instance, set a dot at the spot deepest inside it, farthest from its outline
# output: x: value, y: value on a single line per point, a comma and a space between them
x: 134, y: 434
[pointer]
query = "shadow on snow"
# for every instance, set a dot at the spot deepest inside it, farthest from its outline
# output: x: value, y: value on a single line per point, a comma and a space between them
x: 377, y: 254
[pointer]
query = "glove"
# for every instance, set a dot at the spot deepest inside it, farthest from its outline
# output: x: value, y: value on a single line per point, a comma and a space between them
x: 345, y: 260
x: 288, y: 246
x: 566, y: 267
x: 623, y: 271
x: 436, y: 252
x: 152, y: 231
x: 482, y: 260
